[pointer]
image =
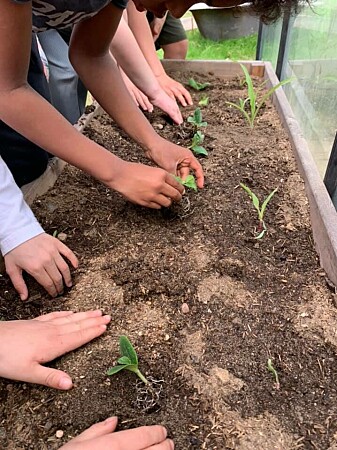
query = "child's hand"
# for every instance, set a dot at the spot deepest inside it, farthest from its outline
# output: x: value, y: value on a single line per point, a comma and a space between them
x: 27, y: 344
x: 147, y: 186
x: 101, y: 436
x: 168, y: 105
x: 174, y: 89
x: 43, y: 258
x: 138, y: 97
x: 176, y: 160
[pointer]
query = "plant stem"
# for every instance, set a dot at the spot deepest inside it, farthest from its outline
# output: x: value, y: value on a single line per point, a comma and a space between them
x: 141, y: 376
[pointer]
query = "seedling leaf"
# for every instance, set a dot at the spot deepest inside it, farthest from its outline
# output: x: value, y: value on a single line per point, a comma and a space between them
x: 115, y: 369
x: 127, y: 349
x: 203, y: 101
x: 199, y: 150
x: 124, y: 360
x: 197, y: 86
x: 189, y: 182
x: 267, y: 200
x: 274, y: 372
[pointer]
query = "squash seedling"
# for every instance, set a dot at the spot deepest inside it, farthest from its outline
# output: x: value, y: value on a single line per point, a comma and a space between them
x: 261, y: 228
x: 251, y: 102
x: 189, y: 182
x: 274, y: 372
x: 196, y: 119
x: 197, y: 86
x: 128, y: 359
x: 203, y: 101
x: 195, y: 146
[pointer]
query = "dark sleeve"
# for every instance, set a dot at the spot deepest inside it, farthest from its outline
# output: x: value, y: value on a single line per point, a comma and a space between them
x: 119, y: 3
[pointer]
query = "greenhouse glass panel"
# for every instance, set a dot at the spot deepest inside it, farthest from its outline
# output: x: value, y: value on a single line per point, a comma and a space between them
x: 311, y: 60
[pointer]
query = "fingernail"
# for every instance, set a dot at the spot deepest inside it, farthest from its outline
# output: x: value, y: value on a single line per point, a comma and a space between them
x: 171, y: 443
x: 65, y: 383
x: 110, y: 419
x: 23, y: 297
x: 103, y: 327
x: 107, y: 318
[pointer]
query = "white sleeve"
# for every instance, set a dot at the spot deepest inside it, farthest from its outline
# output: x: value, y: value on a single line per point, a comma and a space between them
x: 17, y: 222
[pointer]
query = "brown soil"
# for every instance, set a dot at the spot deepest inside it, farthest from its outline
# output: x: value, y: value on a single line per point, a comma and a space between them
x: 248, y: 300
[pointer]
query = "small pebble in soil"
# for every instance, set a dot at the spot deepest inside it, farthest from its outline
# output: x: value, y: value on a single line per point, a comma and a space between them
x: 59, y: 434
x: 62, y: 237
x: 185, y: 309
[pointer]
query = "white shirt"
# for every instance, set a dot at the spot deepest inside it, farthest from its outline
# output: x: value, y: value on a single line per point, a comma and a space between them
x: 17, y: 222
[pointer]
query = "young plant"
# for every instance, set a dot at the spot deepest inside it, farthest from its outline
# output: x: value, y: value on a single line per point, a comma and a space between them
x: 196, y: 119
x: 203, y: 101
x: 128, y: 359
x: 195, y: 146
x: 261, y: 228
x: 251, y: 102
x: 274, y: 372
x: 189, y: 182
x: 197, y: 86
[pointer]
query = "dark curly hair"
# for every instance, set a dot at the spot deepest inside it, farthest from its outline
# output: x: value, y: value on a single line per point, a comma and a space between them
x: 271, y: 10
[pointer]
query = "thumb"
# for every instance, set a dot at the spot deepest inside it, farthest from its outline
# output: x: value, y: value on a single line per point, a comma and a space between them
x: 15, y: 274
x: 53, y: 378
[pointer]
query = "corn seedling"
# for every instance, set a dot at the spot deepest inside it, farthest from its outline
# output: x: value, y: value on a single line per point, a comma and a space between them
x: 203, y: 101
x: 197, y: 86
x: 261, y: 228
x: 196, y: 119
x: 128, y: 359
x: 195, y: 146
x: 251, y: 103
x: 189, y: 182
x: 274, y: 372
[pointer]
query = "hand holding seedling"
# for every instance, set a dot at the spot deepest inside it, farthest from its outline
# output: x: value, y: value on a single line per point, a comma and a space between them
x: 261, y: 228
x: 177, y: 160
x: 102, y: 436
x: 128, y: 359
x: 189, y: 182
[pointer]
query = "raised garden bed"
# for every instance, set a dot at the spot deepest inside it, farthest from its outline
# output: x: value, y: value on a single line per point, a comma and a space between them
x: 205, y: 304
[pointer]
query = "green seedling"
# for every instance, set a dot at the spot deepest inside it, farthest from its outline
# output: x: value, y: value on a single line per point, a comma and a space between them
x: 204, y: 101
x: 274, y: 372
x: 196, y: 119
x: 128, y: 359
x: 189, y: 182
x: 55, y: 234
x: 197, y: 86
x: 195, y: 146
x: 261, y: 228
x: 251, y: 103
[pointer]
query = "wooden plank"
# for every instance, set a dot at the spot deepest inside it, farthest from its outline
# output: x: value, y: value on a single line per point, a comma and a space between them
x: 223, y: 69
x: 322, y: 211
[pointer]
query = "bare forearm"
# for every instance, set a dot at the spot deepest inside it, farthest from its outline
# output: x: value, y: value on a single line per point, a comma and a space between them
x: 142, y: 32
x: 129, y: 56
x: 39, y: 122
x: 112, y: 94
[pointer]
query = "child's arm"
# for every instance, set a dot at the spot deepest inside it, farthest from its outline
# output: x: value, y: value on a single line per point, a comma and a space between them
x: 25, y: 245
x: 125, y: 49
x: 29, y: 114
x: 142, y: 32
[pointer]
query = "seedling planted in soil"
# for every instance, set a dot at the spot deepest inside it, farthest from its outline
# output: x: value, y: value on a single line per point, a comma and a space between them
x: 203, y: 101
x: 197, y: 86
x: 261, y: 228
x: 128, y: 359
x: 274, y: 372
x: 195, y: 146
x: 196, y: 119
x: 251, y: 103
x: 189, y: 182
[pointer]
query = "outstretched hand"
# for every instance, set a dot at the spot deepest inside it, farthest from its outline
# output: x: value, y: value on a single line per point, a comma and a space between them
x: 174, y: 89
x: 101, y: 436
x: 43, y: 258
x: 168, y: 105
x: 27, y: 344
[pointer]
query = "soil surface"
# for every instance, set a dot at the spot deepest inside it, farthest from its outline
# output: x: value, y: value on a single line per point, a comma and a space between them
x: 204, y: 303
